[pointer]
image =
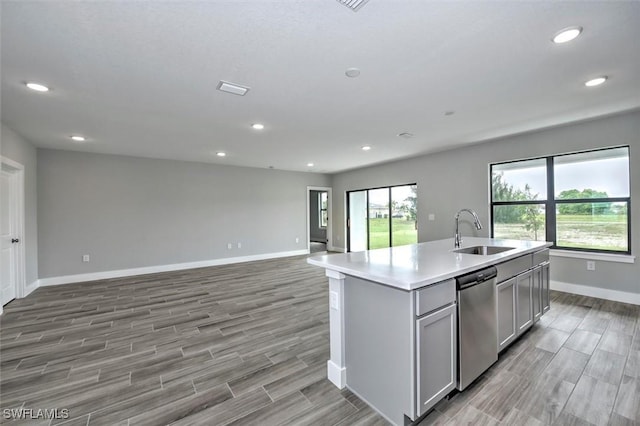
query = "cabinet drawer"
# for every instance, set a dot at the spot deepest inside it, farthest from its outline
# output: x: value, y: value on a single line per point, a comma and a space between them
x: 435, y: 296
x: 513, y: 267
x: 540, y: 257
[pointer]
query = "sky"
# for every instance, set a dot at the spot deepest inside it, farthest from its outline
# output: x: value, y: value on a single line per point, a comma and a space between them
x: 610, y: 175
x: 381, y: 196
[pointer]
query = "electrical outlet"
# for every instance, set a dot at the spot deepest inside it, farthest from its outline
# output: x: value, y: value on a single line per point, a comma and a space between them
x: 333, y: 300
x: 432, y: 216
x: 229, y: 246
x: 591, y: 265
x: 297, y: 240
x: 86, y: 258
x: 239, y: 245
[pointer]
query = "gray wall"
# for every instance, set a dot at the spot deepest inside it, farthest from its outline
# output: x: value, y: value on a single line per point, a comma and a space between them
x: 316, y: 233
x: 19, y: 150
x: 128, y: 212
x: 454, y: 179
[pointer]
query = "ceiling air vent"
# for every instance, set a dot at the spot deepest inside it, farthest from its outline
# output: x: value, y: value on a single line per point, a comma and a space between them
x: 354, y: 5
x: 405, y: 135
x: 236, y: 89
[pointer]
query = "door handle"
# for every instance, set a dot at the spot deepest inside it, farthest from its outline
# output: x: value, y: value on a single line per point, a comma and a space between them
x: 15, y: 240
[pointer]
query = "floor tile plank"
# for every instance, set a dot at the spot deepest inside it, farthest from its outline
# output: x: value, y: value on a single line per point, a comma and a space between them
x: 592, y: 401
x: 248, y: 344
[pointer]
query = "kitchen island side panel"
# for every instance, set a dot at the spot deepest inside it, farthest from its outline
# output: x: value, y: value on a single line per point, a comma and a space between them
x: 379, y: 330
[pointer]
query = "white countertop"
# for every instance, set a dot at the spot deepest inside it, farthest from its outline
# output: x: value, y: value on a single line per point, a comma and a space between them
x: 417, y: 265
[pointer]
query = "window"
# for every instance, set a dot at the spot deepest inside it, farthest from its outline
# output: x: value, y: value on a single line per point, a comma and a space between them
x: 381, y: 217
x: 322, y: 205
x: 579, y: 201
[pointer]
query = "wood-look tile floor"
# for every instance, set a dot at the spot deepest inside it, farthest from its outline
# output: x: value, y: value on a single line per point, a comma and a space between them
x: 247, y: 344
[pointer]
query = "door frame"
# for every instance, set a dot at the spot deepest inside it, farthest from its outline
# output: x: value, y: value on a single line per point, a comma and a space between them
x: 17, y: 171
x: 327, y: 189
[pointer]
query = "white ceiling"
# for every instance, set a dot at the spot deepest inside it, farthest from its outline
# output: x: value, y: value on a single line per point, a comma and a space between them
x: 139, y: 78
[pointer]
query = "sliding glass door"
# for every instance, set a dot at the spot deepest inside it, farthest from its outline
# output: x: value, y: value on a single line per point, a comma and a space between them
x: 381, y: 217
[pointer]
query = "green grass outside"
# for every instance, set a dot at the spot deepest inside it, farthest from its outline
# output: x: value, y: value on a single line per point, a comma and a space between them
x: 404, y: 232
x: 603, y: 232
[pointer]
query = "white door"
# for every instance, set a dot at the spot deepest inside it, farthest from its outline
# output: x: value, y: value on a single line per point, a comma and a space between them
x: 8, y: 236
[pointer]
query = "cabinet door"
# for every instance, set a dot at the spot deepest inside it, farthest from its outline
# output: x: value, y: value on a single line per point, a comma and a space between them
x: 537, y: 293
x: 524, y: 308
x: 506, y: 303
x: 436, y: 354
x: 544, y: 287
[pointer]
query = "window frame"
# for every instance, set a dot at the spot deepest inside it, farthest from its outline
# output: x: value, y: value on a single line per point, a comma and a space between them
x: 368, y: 217
x: 551, y: 202
x: 320, y: 209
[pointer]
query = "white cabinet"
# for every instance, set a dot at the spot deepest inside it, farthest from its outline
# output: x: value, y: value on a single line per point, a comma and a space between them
x: 506, y: 306
x: 540, y: 290
x: 523, y: 299
x: 515, y: 308
x: 544, y: 287
x: 524, y: 307
x: 400, y: 346
x: 537, y: 293
x: 436, y: 357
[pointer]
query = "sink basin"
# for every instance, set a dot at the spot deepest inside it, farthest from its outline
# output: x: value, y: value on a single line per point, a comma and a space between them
x: 483, y: 250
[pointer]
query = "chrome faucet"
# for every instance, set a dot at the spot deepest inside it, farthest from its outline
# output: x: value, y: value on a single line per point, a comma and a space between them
x: 456, y: 238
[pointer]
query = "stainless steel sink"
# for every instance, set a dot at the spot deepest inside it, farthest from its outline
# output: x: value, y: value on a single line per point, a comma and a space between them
x: 483, y: 250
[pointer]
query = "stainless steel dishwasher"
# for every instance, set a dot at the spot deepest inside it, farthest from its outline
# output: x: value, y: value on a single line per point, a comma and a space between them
x: 477, y: 324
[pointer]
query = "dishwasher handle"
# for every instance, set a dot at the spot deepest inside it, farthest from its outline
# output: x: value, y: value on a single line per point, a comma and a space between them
x: 477, y: 277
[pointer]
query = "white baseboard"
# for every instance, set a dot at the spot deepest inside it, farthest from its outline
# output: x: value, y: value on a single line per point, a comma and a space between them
x: 336, y: 374
x: 599, y: 292
x: 68, y: 279
x: 31, y: 288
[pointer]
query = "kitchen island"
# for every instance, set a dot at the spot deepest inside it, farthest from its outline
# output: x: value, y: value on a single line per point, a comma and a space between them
x: 393, y: 316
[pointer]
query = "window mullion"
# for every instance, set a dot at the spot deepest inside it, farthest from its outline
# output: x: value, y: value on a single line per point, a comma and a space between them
x: 550, y: 205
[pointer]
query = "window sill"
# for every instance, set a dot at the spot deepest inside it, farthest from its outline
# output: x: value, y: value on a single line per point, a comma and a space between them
x: 606, y: 257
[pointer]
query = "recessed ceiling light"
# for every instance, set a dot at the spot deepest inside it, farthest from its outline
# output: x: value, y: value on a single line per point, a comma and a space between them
x: 258, y: 126
x: 37, y: 87
x: 233, y: 88
x: 309, y: 164
x: 352, y: 72
x: 566, y: 35
x: 596, y: 81
x: 366, y: 148
x: 221, y: 154
x: 78, y: 138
